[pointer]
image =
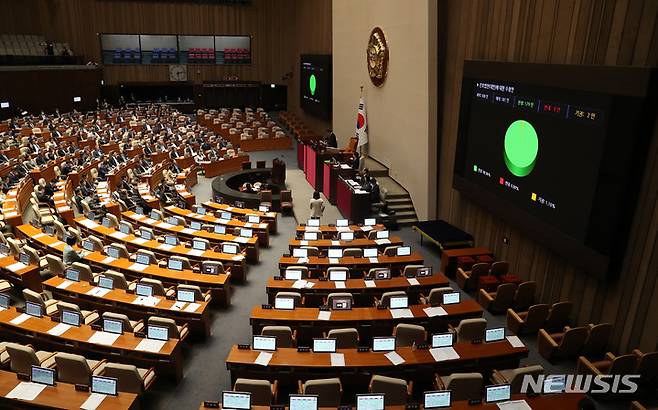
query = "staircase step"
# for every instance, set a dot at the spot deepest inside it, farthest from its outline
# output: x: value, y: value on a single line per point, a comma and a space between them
x: 396, y: 196
x: 400, y: 207
x: 405, y: 214
x: 397, y: 201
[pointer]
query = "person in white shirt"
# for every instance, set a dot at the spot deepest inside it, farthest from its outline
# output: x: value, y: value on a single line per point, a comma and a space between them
x: 316, y: 205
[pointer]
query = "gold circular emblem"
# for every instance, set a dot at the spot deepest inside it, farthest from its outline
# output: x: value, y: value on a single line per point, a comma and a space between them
x: 377, y: 56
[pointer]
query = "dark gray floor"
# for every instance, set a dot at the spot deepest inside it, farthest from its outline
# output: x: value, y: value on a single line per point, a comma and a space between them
x: 205, y: 371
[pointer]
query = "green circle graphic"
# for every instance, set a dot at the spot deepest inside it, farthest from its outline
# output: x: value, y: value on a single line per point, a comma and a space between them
x: 312, y: 83
x: 521, y: 148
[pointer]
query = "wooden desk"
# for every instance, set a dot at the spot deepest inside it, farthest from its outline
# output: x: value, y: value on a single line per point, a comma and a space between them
x: 185, y: 162
x: 369, y: 321
x: 288, y: 365
x: 47, y: 171
x: 269, y: 217
x: 107, y: 148
x: 250, y: 245
x: 260, y: 229
x: 357, y: 266
x: 61, y: 199
x: 325, y: 244
x: 265, y: 144
x: 15, y: 202
x: 114, y: 176
x: 449, y: 258
x: 120, y: 301
x: 213, y: 168
x: 363, y: 295
x: 548, y: 402
x: 168, y: 361
x: 219, y: 285
x: 159, y: 157
x: 26, y: 276
x: 329, y: 231
x: 353, y: 205
x: 61, y: 396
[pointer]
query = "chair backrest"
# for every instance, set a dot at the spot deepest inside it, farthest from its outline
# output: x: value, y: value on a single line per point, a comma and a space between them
x: 283, y: 335
x: 151, y: 255
x: 411, y: 269
x: 118, y: 279
x: 395, y: 389
x: 469, y: 329
x: 156, y: 285
x: 408, y: 335
x: 536, y: 317
x: 597, y: 340
x: 291, y: 295
x: 504, y: 296
x: 169, y: 323
x: 127, y: 375
x: 558, y: 316
x: 261, y: 390
x: 347, y: 338
x: 572, y: 341
x: 515, y: 376
x: 338, y: 269
x: 339, y: 295
x: 34, y: 256
x: 127, y: 325
x: 123, y: 251
x: 285, y: 195
x: 85, y: 271
x: 499, y: 268
x: 31, y: 296
x: 55, y: 265
x: 624, y: 364
x: 219, y: 265
x: 265, y: 195
x: 72, y: 368
x: 391, y: 250
x: 60, y: 231
x: 97, y: 243
x: 647, y: 368
x: 436, y: 294
x: 354, y: 252
x: 328, y: 391
x: 14, y: 246
x: 464, y: 386
x: 21, y: 358
x: 525, y: 295
x: 114, y: 221
x: 386, y: 296
x: 62, y: 306
x: 198, y: 294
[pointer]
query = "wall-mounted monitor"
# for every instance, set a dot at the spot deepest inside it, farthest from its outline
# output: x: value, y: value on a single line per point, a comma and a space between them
x: 315, y: 84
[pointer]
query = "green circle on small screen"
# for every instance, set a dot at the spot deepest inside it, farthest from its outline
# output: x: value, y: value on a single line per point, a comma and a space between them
x: 521, y: 148
x: 312, y: 83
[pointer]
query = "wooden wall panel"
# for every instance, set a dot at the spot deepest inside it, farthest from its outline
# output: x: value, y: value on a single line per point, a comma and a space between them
x: 623, y: 32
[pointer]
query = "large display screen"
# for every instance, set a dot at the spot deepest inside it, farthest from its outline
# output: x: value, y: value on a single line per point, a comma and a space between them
x: 315, y: 85
x: 555, y: 157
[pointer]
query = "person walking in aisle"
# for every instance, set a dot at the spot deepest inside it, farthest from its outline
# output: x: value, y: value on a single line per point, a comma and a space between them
x: 317, y: 205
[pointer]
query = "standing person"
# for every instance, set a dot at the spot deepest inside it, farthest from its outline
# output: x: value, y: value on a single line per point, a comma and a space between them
x: 316, y: 205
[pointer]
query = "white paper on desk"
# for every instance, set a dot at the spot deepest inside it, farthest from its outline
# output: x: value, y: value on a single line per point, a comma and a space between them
x: 188, y: 231
x: 150, y: 221
x: 93, y: 401
x: 366, y: 228
x: 237, y: 257
x: 334, y: 261
x: 395, y: 358
x: 15, y: 267
x: 302, y: 260
x: 151, y: 301
x: 108, y: 260
x: 345, y: 166
x: 229, y: 208
x: 99, y: 292
x: 339, y: 285
x: 299, y: 284
x: 192, y: 307
x: 248, y: 224
x: 343, y: 229
x: 435, y: 311
x: 444, y: 353
x: 324, y: 315
x: 303, y: 243
x: 59, y: 329
x: 103, y: 338
x: 370, y: 283
x: 20, y: 319
x: 150, y: 345
x: 139, y: 241
x: 119, y: 235
x: 373, y: 260
x: 65, y: 284
x: 360, y: 191
x: 165, y: 247
x: 241, y: 239
x: 401, y: 313
x: 382, y: 241
x: 263, y: 358
x: 337, y: 360
x: 514, y: 405
x: 88, y: 223
x: 177, y: 306
x: 195, y: 252
x: 164, y: 225
x: 515, y: 341
x: 335, y: 243
x: 309, y: 285
x: 413, y: 281
x: 57, y: 244
x: 138, y: 267
x: 39, y: 235
x: 26, y: 391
